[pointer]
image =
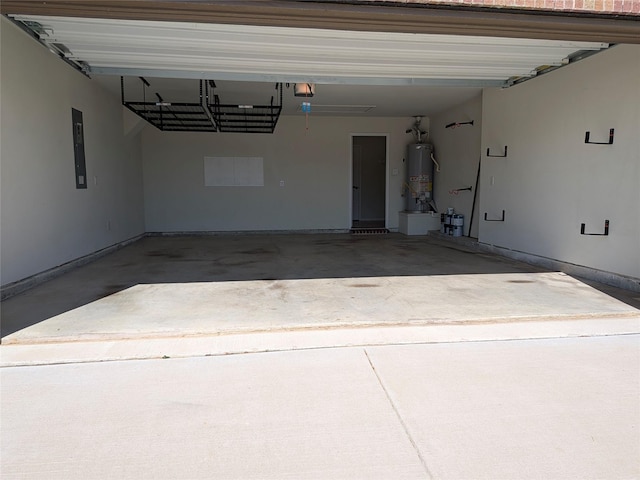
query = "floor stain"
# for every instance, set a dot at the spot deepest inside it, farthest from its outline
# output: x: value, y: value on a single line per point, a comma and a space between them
x: 237, y: 263
x: 158, y: 253
x: 257, y: 251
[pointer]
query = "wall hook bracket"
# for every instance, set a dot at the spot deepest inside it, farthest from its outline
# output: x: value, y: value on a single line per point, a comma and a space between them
x: 494, y: 219
x: 458, y: 124
x: 503, y: 155
x: 610, y: 142
x: 458, y: 190
x: 606, y: 229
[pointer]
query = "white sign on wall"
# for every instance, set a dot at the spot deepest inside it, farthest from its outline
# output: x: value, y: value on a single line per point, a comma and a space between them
x: 233, y: 172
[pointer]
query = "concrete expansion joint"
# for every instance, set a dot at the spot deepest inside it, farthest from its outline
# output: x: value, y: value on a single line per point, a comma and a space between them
x: 399, y: 416
x: 66, y: 353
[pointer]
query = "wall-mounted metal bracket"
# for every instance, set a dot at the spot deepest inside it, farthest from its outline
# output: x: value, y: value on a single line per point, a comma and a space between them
x: 606, y: 229
x: 504, y: 155
x: 610, y: 142
x: 495, y: 219
x: 458, y: 190
x: 457, y: 124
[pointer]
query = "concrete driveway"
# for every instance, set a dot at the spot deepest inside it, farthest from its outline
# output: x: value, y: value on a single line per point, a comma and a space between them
x: 525, y: 409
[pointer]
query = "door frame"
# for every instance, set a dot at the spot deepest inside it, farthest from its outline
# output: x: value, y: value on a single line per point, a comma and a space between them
x: 386, y: 175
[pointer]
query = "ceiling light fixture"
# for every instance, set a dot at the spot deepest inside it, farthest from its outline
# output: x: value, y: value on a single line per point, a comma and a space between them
x: 304, y: 89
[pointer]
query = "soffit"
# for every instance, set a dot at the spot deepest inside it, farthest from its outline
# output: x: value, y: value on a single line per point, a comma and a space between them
x: 408, y: 17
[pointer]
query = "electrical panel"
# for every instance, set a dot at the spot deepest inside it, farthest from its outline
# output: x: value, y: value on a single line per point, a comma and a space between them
x: 78, y: 149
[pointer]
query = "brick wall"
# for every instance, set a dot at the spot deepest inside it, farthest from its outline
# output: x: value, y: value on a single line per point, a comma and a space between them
x: 625, y: 7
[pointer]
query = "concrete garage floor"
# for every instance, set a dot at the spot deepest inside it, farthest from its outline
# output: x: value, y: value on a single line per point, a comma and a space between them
x: 452, y: 365
x: 189, y: 286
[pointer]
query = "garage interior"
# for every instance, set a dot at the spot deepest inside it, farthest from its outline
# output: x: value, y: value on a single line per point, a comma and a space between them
x: 198, y: 175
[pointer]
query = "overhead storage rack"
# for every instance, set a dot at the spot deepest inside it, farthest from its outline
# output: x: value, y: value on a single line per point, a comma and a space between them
x: 168, y: 116
x: 205, y: 116
x: 247, y: 118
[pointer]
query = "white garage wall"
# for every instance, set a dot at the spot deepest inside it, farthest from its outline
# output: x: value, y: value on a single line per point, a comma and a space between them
x: 314, y: 165
x: 551, y: 181
x: 458, y: 153
x: 46, y: 222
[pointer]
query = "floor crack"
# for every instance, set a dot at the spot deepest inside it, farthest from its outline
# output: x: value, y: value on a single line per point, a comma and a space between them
x: 400, y: 419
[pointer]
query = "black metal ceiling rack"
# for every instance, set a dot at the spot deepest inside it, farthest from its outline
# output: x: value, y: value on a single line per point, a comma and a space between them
x: 246, y: 118
x: 205, y: 116
x: 169, y: 116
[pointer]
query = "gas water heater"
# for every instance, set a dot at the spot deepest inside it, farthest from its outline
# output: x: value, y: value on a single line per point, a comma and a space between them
x: 418, y: 188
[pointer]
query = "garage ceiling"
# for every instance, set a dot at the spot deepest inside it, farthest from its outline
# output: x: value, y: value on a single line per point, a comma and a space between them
x: 358, y: 61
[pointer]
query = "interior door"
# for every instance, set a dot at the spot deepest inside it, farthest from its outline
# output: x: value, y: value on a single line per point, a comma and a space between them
x: 369, y: 163
x: 357, y: 181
